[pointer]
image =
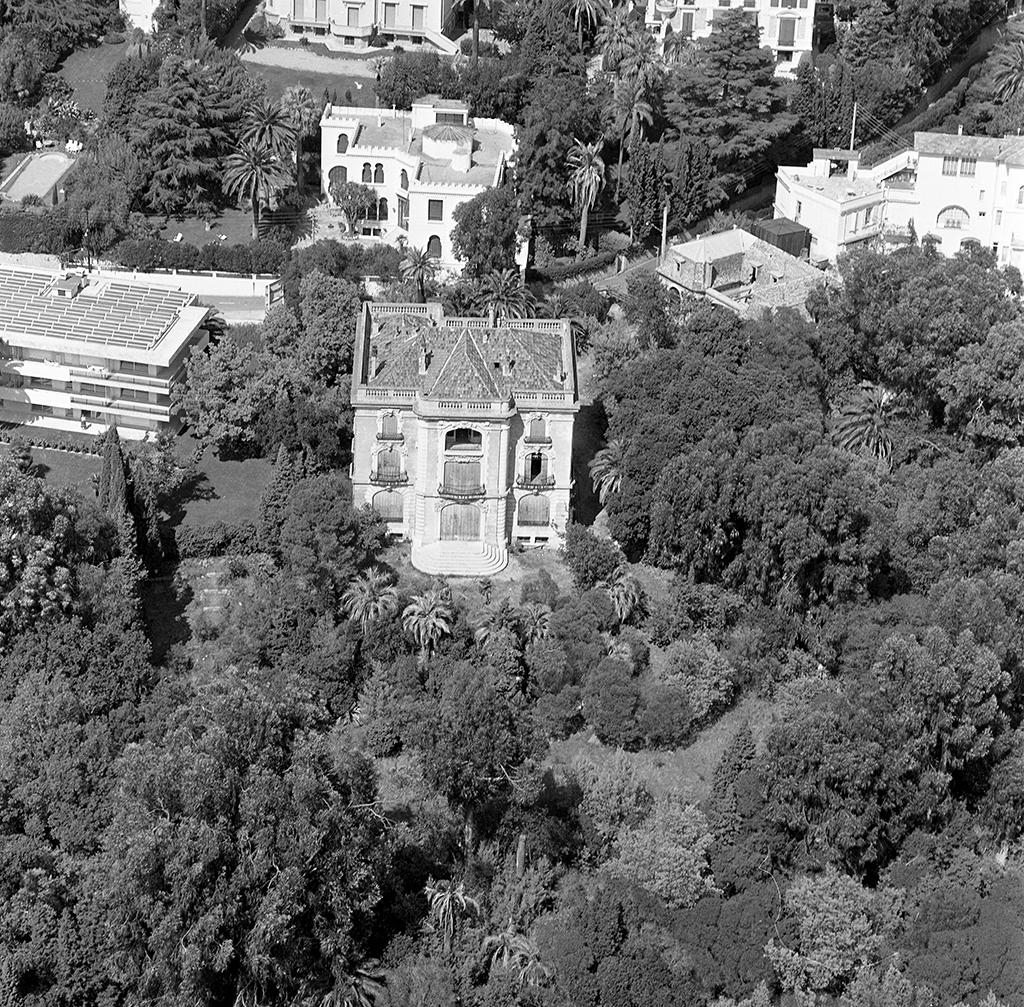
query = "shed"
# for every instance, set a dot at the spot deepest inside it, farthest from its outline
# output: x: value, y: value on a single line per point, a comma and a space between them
x: 784, y: 233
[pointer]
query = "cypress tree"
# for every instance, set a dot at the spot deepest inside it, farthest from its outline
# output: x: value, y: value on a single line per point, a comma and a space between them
x: 274, y: 500
x: 644, y: 190
x: 114, y: 491
x: 722, y: 810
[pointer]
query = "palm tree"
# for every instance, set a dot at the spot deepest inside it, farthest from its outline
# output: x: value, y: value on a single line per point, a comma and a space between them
x: 502, y: 294
x: 255, y: 173
x: 586, y: 177
x: 448, y: 902
x: 606, y: 470
x: 501, y: 616
x: 428, y: 617
x: 863, y: 424
x: 586, y: 13
x: 629, y: 109
x: 626, y: 594
x: 1008, y: 69
x: 612, y: 36
x: 418, y: 266
x: 362, y: 987
x: 640, y: 63
x: 679, y: 50
x: 266, y: 124
x: 371, y: 596
x: 534, y: 620
x: 303, y: 111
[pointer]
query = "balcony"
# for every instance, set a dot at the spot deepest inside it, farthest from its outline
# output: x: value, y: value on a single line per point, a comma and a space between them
x: 394, y: 436
x: 543, y: 482
x: 460, y: 492
x: 389, y: 477
x: 531, y: 439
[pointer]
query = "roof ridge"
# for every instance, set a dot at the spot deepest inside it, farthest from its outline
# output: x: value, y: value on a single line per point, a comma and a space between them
x: 473, y: 356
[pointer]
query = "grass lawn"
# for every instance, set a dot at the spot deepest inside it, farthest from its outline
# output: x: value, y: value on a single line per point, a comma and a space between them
x: 280, y: 78
x: 235, y: 223
x: 62, y: 468
x: 225, y: 490
x: 86, y: 71
x: 687, y: 771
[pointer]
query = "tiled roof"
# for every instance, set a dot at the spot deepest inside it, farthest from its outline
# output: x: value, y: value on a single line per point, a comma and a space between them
x: 954, y: 145
x: 105, y: 313
x: 466, y: 358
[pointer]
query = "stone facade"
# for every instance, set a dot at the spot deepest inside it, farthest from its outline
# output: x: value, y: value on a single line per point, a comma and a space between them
x: 463, y: 432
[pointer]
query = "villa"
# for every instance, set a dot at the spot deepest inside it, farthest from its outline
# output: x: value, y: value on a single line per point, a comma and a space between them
x: 420, y: 164
x: 463, y: 432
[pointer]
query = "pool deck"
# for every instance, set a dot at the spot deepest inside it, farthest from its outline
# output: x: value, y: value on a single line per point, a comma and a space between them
x: 37, y: 175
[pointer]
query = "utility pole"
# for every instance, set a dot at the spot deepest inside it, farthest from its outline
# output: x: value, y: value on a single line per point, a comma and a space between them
x: 853, y: 126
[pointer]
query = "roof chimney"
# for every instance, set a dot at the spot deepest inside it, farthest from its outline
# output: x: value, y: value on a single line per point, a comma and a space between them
x: 373, y: 363
x: 960, y: 129
x: 424, y: 359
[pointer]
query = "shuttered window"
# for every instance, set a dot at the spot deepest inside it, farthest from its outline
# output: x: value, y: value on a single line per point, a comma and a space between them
x: 388, y: 504
x: 534, y: 510
x: 462, y: 475
x: 460, y: 523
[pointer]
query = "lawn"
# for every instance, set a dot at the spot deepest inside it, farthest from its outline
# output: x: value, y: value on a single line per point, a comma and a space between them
x: 340, y: 86
x: 86, y: 71
x: 225, y: 490
x: 234, y: 223
x: 62, y: 468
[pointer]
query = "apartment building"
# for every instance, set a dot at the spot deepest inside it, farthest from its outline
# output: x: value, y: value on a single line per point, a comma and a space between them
x: 421, y: 164
x: 463, y: 432
x: 350, y: 24
x: 787, y: 26
x: 948, y: 189
x: 79, y: 353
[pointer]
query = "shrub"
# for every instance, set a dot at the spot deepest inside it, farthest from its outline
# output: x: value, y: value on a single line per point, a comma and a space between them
x: 566, y: 270
x: 704, y: 675
x: 667, y: 718
x: 590, y: 559
x: 559, y: 715
x: 611, y: 704
x: 219, y: 538
x: 614, y: 797
x: 542, y: 590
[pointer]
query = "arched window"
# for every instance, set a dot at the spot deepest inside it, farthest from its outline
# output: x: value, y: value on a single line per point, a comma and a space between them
x: 538, y: 429
x: 535, y: 469
x: 534, y: 510
x: 367, y: 172
x: 342, y: 143
x: 371, y: 211
x: 389, y: 463
x: 434, y: 247
x: 389, y: 426
x: 338, y: 175
x: 405, y: 180
x: 378, y: 173
x: 462, y: 439
x: 388, y: 504
x: 1020, y: 196
x: 955, y: 218
x: 382, y: 210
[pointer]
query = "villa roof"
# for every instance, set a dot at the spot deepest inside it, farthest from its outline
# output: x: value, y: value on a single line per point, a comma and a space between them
x: 466, y: 358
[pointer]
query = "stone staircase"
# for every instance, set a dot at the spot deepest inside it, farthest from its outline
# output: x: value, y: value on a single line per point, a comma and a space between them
x: 460, y: 559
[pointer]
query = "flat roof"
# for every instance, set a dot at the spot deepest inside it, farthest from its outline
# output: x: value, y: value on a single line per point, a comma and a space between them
x: 127, y: 321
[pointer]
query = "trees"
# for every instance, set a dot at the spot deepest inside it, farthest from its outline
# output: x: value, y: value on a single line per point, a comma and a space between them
x: 329, y: 307
x: 629, y: 109
x: 291, y: 875
x: 254, y: 172
x: 644, y: 190
x: 407, y: 76
x: 586, y: 14
x: 730, y: 98
x: 502, y: 295
x: 371, y: 596
x: 418, y: 267
x: 863, y: 424
x: 558, y: 110
x: 21, y: 72
x: 353, y: 199
x: 428, y: 618
x: 591, y: 560
x: 586, y: 179
x: 606, y: 470
x: 302, y: 111
x: 268, y: 125
x: 486, y: 232
x: 667, y: 853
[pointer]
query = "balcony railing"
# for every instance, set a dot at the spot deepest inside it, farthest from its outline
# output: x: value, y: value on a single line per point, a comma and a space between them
x: 460, y: 492
x: 531, y: 439
x: 535, y: 482
x: 383, y: 435
x: 389, y: 477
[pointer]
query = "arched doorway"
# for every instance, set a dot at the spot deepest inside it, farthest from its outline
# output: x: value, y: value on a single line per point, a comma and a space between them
x: 338, y: 175
x: 388, y: 504
x: 535, y: 511
x: 460, y: 523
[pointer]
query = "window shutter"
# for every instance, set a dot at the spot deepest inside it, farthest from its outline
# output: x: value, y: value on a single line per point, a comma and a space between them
x: 773, y: 29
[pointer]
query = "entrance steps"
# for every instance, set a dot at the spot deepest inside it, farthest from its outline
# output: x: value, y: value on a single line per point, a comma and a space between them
x: 460, y: 559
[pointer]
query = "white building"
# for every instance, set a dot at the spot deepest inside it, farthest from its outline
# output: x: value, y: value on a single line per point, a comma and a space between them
x: 948, y: 189
x: 139, y: 13
x: 787, y: 26
x: 462, y: 433
x: 421, y: 164
x: 349, y: 24
x: 79, y: 353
